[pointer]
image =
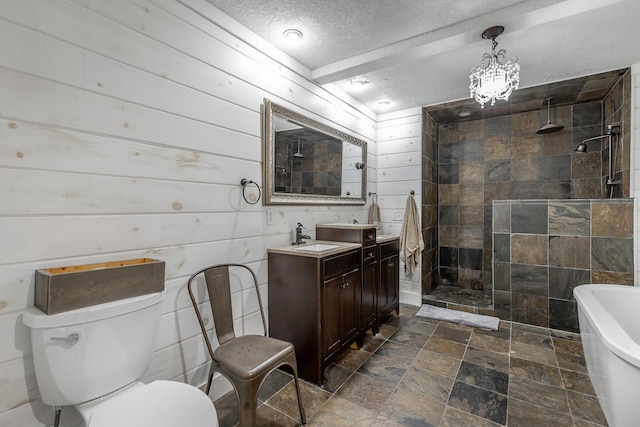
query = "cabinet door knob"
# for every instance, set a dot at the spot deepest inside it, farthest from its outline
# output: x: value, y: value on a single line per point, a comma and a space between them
x: 370, y: 236
x: 344, y: 285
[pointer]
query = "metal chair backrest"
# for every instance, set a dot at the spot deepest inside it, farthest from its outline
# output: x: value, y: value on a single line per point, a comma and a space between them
x: 218, y: 282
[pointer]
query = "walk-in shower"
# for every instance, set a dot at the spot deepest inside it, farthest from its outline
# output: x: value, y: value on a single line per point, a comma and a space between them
x: 613, y: 131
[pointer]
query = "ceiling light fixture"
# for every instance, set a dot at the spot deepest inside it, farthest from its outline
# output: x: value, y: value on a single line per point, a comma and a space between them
x: 292, y: 34
x: 362, y: 81
x: 497, y: 76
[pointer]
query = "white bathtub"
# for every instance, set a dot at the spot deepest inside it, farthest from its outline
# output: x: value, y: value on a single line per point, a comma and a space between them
x: 609, y: 317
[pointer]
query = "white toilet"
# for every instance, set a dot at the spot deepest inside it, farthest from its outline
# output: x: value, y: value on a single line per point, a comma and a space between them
x: 93, y: 357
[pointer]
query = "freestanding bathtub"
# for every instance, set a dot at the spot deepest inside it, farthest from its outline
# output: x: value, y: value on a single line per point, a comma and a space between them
x: 609, y: 317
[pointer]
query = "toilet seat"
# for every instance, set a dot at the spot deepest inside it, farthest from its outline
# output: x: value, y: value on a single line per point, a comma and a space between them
x: 158, y: 404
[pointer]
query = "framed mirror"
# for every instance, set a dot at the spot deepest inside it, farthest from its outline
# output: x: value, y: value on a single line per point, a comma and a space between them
x: 307, y: 162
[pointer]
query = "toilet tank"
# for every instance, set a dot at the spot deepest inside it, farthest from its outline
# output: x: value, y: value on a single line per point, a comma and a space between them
x: 114, y: 345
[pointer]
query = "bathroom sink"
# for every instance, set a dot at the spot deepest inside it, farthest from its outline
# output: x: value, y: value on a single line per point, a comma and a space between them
x: 318, y: 247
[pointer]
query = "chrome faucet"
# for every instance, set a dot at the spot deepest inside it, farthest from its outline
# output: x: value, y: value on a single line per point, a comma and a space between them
x: 300, y: 236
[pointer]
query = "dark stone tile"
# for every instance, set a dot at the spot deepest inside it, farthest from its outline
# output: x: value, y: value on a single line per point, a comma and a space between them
x: 498, y: 126
x: 502, y: 276
x: 502, y: 304
x: 384, y: 369
x: 472, y: 151
x: 571, y: 362
x: 449, y: 257
x: 555, y: 190
x: 569, y: 218
x: 554, y: 168
x: 547, y: 397
x: 529, y: 249
x: 404, y: 408
x: 586, y: 407
x: 526, y: 414
x: 437, y: 363
x: 448, y: 215
x: 365, y: 391
x: 563, y: 280
x: 334, y: 377
x: 496, y: 191
x: 446, y: 332
x: 612, y: 277
x: 449, y: 194
x: 533, y: 353
x: 471, y: 173
x: 449, y: 153
x: 455, y: 418
x: 530, y: 279
x: 612, y: 254
x: 612, y: 219
x: 483, y: 403
x: 448, y: 236
x: 532, y: 338
x: 569, y: 252
x: 400, y: 352
x: 586, y: 165
x: 577, y: 382
x: 471, y: 237
x: 502, y: 217
x: 587, y: 114
x: 487, y: 359
x: 471, y: 258
x: 448, y: 173
x: 448, y: 274
x: 497, y: 170
x: 502, y: 247
x: 586, y: 188
x: 471, y: 194
x: 567, y: 346
x: 531, y: 309
x: 487, y: 216
x: 408, y: 337
x: 538, y: 372
x: 525, y: 169
x: 427, y: 384
x: 523, y: 190
x: 448, y: 133
x: 471, y: 215
x: 563, y: 315
x: 420, y: 325
x: 482, y: 377
x: 446, y: 347
x: 529, y: 218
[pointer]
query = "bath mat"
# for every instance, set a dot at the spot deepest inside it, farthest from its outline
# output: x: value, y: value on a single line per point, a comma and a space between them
x: 462, y: 317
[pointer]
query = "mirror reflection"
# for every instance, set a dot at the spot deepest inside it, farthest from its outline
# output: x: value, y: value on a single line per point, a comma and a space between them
x: 307, y: 162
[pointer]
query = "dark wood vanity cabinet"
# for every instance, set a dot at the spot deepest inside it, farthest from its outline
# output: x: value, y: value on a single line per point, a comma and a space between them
x: 314, y: 303
x: 388, y: 293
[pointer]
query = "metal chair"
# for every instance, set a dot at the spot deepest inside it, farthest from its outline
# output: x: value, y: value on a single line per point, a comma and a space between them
x: 245, y: 360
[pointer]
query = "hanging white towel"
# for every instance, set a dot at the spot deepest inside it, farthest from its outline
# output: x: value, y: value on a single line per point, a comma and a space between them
x: 374, y: 215
x: 411, y: 243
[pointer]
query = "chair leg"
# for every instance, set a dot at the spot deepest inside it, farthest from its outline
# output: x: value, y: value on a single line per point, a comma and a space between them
x: 303, y: 417
x: 209, y: 381
x: 247, y: 403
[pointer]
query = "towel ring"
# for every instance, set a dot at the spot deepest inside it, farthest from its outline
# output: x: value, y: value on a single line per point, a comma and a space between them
x: 244, y: 182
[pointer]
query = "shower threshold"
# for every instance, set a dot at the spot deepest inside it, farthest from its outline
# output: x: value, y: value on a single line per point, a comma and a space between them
x: 450, y: 296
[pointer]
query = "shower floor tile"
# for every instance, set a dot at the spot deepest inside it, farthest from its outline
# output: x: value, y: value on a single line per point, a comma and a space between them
x: 420, y: 372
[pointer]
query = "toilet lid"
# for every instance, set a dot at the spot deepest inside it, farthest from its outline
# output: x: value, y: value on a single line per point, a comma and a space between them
x: 158, y: 404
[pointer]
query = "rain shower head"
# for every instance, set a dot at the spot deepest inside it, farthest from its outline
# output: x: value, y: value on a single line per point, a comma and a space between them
x: 549, y: 127
x: 298, y: 153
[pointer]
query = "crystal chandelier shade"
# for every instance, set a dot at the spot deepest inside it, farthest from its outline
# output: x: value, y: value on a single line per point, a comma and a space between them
x: 497, y: 76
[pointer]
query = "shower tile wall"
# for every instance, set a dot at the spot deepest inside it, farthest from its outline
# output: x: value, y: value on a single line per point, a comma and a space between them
x: 503, y: 158
x: 429, y: 203
x: 542, y: 249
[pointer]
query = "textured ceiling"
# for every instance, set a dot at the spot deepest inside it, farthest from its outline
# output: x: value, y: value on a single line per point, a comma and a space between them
x: 420, y: 52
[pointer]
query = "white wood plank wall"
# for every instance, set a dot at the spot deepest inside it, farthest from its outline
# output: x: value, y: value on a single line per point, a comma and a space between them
x: 399, y: 171
x: 125, y: 129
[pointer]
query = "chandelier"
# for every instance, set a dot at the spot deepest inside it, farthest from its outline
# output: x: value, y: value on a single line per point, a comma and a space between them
x: 497, y: 76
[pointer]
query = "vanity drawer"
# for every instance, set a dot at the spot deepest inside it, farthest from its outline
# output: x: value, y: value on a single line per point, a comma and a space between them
x: 341, y: 263
x: 389, y: 248
x: 369, y: 255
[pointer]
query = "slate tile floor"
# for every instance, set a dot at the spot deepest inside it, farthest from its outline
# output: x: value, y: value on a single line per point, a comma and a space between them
x: 422, y: 372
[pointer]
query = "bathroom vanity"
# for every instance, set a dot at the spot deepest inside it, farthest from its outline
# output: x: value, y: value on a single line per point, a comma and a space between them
x: 324, y: 295
x: 314, y: 301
